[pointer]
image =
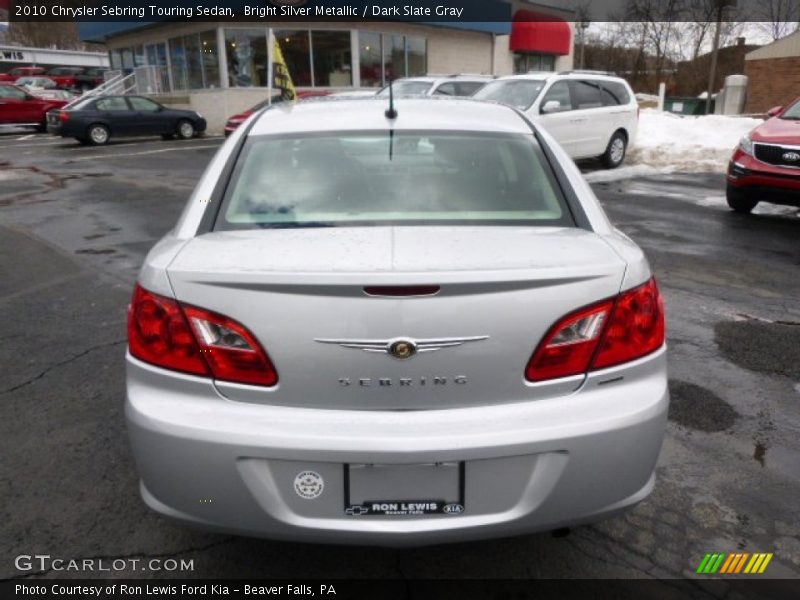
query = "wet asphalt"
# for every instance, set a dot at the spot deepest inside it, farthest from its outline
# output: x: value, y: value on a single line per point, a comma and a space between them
x: 75, y: 224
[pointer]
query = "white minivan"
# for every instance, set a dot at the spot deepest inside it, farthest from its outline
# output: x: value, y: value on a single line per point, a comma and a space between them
x: 589, y: 114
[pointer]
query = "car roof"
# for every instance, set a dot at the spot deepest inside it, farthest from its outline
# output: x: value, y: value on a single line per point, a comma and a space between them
x: 545, y: 75
x: 364, y: 114
x: 441, y: 78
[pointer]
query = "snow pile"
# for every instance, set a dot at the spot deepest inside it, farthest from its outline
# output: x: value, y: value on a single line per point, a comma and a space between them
x: 670, y: 142
x: 647, y: 97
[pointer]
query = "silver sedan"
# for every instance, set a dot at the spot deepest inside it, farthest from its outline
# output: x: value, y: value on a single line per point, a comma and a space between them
x: 394, y: 328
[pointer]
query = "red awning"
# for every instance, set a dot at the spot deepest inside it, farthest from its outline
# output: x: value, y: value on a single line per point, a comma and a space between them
x: 539, y: 32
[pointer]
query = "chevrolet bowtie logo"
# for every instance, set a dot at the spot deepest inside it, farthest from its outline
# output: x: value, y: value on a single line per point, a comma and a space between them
x: 403, y: 348
x: 356, y: 511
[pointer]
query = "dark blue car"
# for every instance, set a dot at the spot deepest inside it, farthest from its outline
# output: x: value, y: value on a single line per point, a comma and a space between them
x: 95, y: 120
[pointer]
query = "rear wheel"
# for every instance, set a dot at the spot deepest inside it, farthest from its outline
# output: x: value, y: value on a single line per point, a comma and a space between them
x: 615, y: 151
x: 98, y: 134
x: 185, y: 129
x: 739, y: 200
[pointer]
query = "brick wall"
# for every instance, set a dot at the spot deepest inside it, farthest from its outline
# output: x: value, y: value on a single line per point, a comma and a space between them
x: 771, y: 82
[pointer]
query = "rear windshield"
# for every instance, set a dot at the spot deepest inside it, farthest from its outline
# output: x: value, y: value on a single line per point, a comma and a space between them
x: 407, y: 88
x: 374, y: 178
x: 519, y: 93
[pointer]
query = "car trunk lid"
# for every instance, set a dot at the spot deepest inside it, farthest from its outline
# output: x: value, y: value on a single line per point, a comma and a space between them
x: 488, y: 295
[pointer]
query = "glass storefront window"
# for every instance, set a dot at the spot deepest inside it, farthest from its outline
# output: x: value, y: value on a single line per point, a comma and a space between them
x: 370, y: 55
x: 332, y: 58
x: 416, y: 56
x: 115, y: 57
x: 210, y: 56
x: 138, y: 56
x: 177, y: 61
x: 296, y: 49
x: 127, y: 58
x: 194, y: 62
x: 526, y: 62
x: 394, y: 57
x: 246, y: 50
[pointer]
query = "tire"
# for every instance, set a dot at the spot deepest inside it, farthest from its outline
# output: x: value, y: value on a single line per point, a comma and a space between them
x: 185, y: 129
x: 614, y: 155
x: 97, y: 134
x: 739, y: 200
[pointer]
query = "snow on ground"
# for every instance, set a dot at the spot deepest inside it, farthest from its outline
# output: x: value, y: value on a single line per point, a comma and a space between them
x: 667, y: 143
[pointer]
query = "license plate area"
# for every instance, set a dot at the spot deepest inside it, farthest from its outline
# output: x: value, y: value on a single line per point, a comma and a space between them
x: 404, y: 490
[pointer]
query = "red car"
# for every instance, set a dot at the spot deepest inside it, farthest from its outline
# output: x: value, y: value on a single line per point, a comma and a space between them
x: 19, y: 108
x: 18, y: 72
x: 66, y: 78
x: 766, y: 164
x: 237, y: 119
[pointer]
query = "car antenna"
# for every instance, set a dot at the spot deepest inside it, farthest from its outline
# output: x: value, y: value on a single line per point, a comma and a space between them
x: 391, y: 113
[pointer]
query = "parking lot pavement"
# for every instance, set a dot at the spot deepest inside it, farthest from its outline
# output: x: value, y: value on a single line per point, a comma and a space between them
x: 75, y: 223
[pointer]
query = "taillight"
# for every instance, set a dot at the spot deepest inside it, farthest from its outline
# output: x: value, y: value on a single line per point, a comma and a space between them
x: 63, y: 116
x: 158, y: 333
x: 192, y: 340
x: 231, y: 351
x: 602, y: 335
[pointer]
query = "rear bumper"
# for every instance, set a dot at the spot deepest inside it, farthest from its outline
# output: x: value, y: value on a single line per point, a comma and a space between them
x: 230, y: 466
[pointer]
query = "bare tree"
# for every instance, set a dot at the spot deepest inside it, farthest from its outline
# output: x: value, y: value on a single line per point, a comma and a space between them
x: 63, y: 35
x: 777, y: 18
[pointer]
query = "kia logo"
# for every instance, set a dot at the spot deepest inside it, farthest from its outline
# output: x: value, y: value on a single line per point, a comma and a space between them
x: 791, y: 156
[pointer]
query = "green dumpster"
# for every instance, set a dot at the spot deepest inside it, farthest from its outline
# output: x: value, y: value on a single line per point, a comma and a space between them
x: 687, y: 105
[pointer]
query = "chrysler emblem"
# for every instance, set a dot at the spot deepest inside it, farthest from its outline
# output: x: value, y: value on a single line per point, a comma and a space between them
x: 791, y: 156
x: 402, y: 348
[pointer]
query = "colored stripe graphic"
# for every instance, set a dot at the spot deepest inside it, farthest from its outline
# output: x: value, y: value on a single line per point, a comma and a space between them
x: 730, y: 565
x: 727, y: 564
x: 736, y: 563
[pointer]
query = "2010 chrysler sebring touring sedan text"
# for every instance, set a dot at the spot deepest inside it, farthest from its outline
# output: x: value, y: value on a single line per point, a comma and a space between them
x: 394, y: 328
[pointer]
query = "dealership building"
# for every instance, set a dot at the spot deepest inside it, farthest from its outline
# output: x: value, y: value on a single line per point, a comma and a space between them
x: 221, y: 68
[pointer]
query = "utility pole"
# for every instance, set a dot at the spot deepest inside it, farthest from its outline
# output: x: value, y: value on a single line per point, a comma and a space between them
x: 584, y: 25
x: 721, y: 6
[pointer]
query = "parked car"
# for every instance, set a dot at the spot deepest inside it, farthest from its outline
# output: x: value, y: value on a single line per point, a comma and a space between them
x: 36, y: 83
x: 377, y: 327
x: 19, y: 107
x: 589, y: 114
x: 53, y: 94
x: 90, y: 78
x: 66, y: 77
x: 765, y: 166
x: 17, y: 72
x: 446, y: 85
x: 233, y: 122
x: 95, y: 120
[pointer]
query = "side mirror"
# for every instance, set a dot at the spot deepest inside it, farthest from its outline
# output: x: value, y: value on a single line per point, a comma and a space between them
x: 551, y: 106
x: 774, y: 111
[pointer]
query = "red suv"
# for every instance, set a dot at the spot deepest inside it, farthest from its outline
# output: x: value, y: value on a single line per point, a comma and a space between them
x: 18, y: 107
x: 766, y: 163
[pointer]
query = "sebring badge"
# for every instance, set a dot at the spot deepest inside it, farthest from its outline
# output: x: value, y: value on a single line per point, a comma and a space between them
x: 403, y: 348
